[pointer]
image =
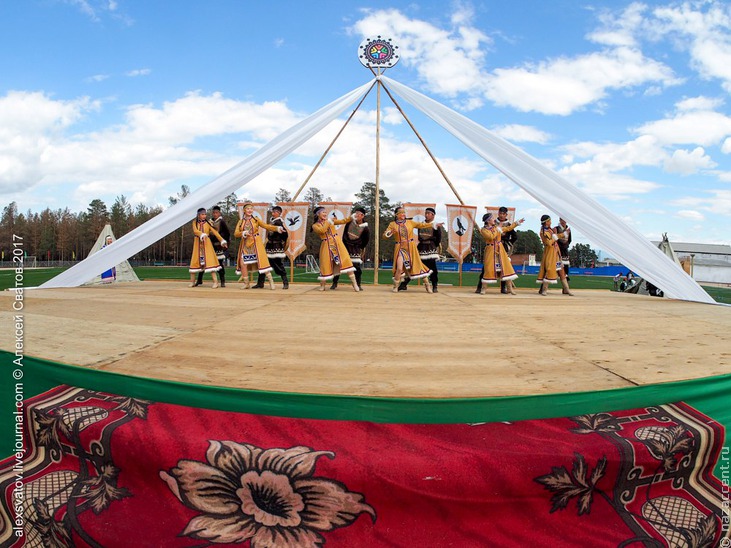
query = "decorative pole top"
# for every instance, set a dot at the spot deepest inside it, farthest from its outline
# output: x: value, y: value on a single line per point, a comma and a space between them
x: 378, y: 53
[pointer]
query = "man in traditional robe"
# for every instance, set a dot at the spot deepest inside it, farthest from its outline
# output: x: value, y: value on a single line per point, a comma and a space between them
x: 219, y: 246
x: 508, y: 241
x: 356, y: 236
x: 275, y: 247
x: 429, y: 241
x: 564, y: 242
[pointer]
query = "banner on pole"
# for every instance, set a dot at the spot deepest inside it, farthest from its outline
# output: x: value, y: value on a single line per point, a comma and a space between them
x: 415, y: 211
x: 494, y: 211
x: 460, y: 225
x: 339, y: 210
x: 294, y: 215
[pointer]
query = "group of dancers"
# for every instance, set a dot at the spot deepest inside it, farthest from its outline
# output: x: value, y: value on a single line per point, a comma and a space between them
x: 414, y: 256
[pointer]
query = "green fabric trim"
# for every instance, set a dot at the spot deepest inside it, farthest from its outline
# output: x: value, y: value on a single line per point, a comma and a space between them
x: 709, y: 395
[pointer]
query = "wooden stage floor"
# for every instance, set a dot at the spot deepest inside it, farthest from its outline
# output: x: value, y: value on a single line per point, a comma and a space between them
x: 376, y: 343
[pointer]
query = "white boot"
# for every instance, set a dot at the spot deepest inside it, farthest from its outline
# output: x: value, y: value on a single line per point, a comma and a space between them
x: 542, y: 290
x: 566, y: 290
x: 511, y: 288
x: 270, y: 280
x: 215, y: 280
x: 483, y: 291
x: 351, y: 275
x: 322, y: 285
x: 427, y: 285
x: 396, y: 283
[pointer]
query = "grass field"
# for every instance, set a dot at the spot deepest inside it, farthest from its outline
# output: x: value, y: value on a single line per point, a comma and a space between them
x: 36, y: 276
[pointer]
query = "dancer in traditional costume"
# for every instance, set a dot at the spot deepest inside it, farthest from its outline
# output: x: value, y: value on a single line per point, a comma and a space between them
x: 334, y: 257
x: 252, y: 254
x: 109, y: 276
x: 220, y: 246
x: 406, y: 260
x: 275, y: 247
x: 356, y: 236
x: 496, y: 263
x: 204, y: 257
x: 551, y: 266
x: 429, y: 241
x: 508, y: 241
x: 563, y: 231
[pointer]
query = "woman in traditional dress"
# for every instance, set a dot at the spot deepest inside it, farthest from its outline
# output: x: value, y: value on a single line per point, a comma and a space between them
x: 551, y: 266
x: 496, y: 260
x: 334, y: 258
x: 406, y: 259
x: 109, y: 276
x: 252, y: 255
x: 204, y: 256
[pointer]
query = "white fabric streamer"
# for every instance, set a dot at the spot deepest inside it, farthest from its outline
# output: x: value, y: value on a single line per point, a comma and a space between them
x: 581, y: 211
x: 223, y: 185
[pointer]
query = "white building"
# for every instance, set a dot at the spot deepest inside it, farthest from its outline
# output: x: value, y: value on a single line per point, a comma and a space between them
x: 705, y: 262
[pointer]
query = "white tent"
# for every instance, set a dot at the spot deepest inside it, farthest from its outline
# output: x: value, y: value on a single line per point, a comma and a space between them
x: 124, y: 272
x: 584, y: 213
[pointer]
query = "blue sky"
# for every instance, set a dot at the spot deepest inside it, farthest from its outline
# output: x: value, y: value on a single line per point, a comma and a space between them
x: 627, y: 100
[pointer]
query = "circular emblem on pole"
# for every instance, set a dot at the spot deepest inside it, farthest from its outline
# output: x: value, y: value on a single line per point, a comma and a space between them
x: 378, y: 52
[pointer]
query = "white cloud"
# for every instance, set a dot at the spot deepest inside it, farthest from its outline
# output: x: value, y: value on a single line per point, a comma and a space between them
x: 644, y: 150
x: 96, y: 10
x: 39, y: 145
x: 561, y: 86
x: 522, y: 134
x: 195, y: 115
x: 726, y: 147
x: 138, y: 72
x: 688, y: 162
x: 705, y: 128
x: 619, y: 31
x: 29, y: 122
x: 699, y: 103
x: 607, y: 185
x: 601, y: 175
x: 716, y: 202
x: 702, y: 29
x: 452, y: 62
x: 97, y: 78
x: 691, y: 214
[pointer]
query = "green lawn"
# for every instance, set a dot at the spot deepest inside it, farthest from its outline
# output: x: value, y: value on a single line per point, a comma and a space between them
x: 36, y: 276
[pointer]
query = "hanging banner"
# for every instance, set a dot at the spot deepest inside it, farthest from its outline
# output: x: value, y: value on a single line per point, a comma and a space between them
x: 340, y: 209
x: 416, y: 212
x: 261, y: 210
x: 295, y: 217
x: 494, y: 211
x: 460, y: 225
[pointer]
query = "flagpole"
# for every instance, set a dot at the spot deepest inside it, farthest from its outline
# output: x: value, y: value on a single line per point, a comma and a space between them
x: 378, y: 180
x: 379, y: 53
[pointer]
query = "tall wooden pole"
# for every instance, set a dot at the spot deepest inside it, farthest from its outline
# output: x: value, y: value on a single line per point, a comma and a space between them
x: 377, y: 213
